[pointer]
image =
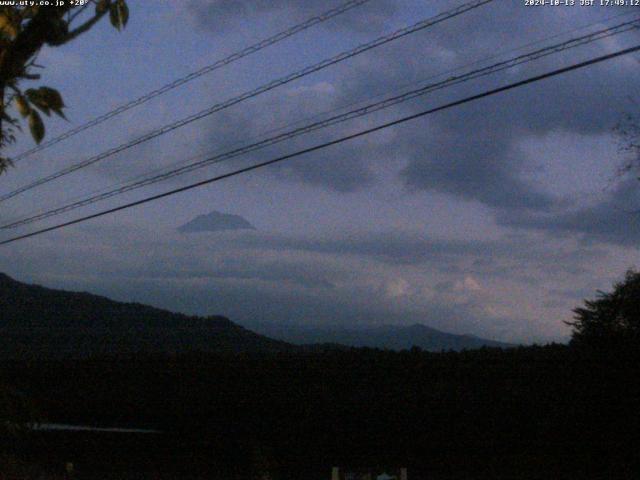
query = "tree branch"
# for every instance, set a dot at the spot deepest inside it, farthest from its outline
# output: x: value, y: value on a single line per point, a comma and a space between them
x: 86, y: 26
x: 73, y: 16
x: 27, y: 43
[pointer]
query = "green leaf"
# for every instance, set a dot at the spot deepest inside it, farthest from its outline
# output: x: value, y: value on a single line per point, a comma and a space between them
x: 124, y: 12
x: 44, y: 109
x: 36, y: 126
x: 37, y: 100
x: 30, y: 12
x: 52, y: 98
x: 33, y: 95
x: 60, y: 113
x: 114, y: 16
x: 47, y: 99
x: 102, y: 6
x: 57, y: 31
x: 9, y: 24
x: 22, y: 105
x: 119, y: 14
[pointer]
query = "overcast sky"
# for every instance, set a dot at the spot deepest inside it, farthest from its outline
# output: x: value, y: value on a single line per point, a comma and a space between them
x: 495, y: 218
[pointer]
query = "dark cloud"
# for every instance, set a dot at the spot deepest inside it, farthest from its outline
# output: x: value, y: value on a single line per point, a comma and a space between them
x: 228, y: 264
x: 252, y: 302
x: 222, y: 15
x: 615, y: 219
x: 478, y: 166
x: 175, y: 149
x: 347, y: 279
x: 216, y: 222
x: 469, y: 152
x: 472, y: 152
x: 343, y: 168
x: 502, y: 258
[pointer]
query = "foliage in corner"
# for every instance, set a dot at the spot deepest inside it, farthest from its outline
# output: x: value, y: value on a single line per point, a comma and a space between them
x: 24, y: 30
x: 628, y: 132
x: 612, y: 319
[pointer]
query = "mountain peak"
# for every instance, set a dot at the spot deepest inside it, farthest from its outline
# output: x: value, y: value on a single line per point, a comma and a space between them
x: 216, y: 222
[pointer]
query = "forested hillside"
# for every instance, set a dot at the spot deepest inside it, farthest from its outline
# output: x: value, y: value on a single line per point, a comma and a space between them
x: 38, y: 322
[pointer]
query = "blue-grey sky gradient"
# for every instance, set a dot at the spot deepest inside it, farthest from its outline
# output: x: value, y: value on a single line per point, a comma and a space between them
x: 495, y: 218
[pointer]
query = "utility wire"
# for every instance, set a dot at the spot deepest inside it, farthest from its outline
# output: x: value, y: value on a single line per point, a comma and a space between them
x: 253, y: 93
x: 368, y: 109
x: 344, y: 106
x: 97, y: 194
x: 256, y: 47
x: 324, y: 145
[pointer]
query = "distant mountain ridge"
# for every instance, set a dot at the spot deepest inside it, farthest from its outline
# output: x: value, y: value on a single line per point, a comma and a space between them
x: 40, y: 322
x: 392, y: 337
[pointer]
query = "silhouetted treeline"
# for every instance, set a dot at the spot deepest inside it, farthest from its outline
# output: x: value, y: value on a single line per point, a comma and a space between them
x: 552, y: 409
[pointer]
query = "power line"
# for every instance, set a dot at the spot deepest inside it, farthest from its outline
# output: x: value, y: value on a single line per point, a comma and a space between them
x: 421, y: 25
x: 130, y: 184
x: 321, y: 146
x: 344, y: 106
x: 282, y: 128
x: 368, y: 109
x: 256, y: 47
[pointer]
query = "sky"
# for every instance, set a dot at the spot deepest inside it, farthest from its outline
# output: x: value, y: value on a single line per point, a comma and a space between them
x: 495, y: 218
